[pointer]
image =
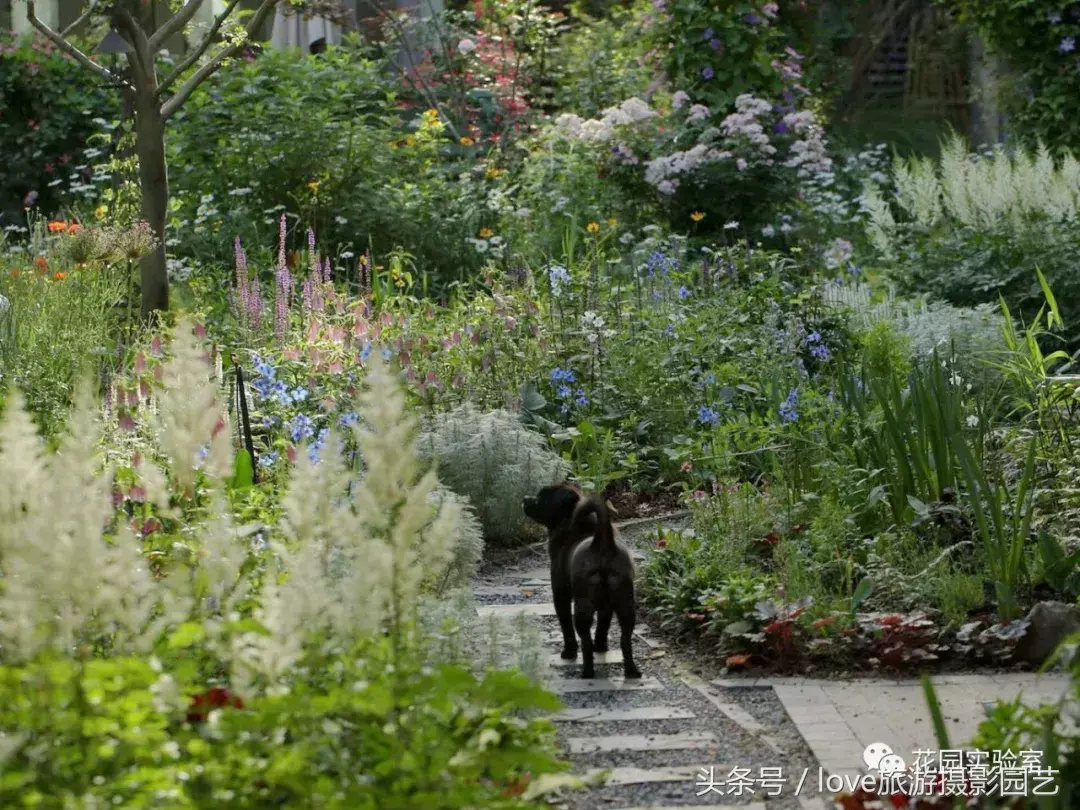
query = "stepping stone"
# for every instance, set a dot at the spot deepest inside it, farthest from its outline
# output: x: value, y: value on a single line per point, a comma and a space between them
x: 506, y: 611
x: 751, y: 806
x: 620, y: 715
x: 610, y: 657
x: 518, y: 591
x: 567, y: 685
x: 683, y: 741
x: 642, y: 776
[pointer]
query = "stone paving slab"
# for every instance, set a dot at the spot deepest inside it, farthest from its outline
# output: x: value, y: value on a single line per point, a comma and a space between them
x: 622, y: 715
x: 750, y: 806
x: 566, y: 685
x: 641, y: 776
x: 610, y: 657
x: 838, y: 719
x: 684, y: 741
x: 504, y: 611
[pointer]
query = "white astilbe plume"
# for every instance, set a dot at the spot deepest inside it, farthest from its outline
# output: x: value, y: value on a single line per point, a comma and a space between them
x: 63, y: 582
x: 392, y: 500
x: 353, y: 566
x: 188, y: 412
x: 880, y: 225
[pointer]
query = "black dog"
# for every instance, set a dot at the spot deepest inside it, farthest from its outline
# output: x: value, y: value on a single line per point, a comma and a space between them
x: 595, y: 576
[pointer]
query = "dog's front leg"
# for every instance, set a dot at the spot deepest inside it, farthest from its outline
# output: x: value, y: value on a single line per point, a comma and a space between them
x: 583, y: 616
x: 563, y: 598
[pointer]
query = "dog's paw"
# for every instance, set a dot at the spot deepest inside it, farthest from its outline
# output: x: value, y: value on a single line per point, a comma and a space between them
x: 600, y: 647
x: 632, y: 672
x: 569, y: 653
x: 588, y: 672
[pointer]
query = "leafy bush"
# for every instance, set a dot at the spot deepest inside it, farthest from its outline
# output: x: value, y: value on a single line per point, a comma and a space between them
x: 495, y: 461
x: 324, y: 140
x: 49, y: 106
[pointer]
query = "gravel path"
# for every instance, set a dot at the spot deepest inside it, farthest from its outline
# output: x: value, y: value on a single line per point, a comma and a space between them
x: 657, y: 738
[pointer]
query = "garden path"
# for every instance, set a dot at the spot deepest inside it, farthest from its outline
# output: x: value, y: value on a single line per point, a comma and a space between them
x: 674, y: 740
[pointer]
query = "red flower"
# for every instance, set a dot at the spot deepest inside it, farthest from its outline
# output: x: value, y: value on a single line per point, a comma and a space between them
x: 661, y: 543
x: 216, y: 697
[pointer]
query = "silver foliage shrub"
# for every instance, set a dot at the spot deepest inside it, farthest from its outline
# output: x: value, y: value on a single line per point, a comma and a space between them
x: 493, y: 460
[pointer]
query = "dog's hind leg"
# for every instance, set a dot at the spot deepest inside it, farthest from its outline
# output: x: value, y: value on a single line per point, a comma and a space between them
x: 564, y: 609
x: 603, y: 624
x: 583, y: 616
x: 626, y: 616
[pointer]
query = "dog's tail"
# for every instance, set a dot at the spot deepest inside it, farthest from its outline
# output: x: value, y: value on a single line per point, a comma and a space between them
x: 593, y: 517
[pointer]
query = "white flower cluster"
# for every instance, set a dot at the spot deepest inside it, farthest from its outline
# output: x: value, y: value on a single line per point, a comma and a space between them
x: 593, y: 327
x: 698, y: 112
x: 743, y: 124
x: 809, y: 155
x: 663, y: 172
x: 631, y: 111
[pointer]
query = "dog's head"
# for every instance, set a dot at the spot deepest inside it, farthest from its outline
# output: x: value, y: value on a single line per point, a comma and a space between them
x: 553, y: 505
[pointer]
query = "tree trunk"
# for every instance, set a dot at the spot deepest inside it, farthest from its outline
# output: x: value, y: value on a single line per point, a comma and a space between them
x: 154, y: 185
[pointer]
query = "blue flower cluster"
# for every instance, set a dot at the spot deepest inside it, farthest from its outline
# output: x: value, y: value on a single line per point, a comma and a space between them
x: 788, y: 408
x: 817, y: 348
x: 659, y: 262
x: 562, y: 378
x: 708, y: 416
x: 269, y: 387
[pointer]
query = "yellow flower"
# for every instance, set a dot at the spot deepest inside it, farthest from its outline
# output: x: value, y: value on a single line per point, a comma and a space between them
x: 697, y: 216
x: 486, y: 233
x: 314, y: 186
x: 492, y: 173
x: 612, y: 221
x: 410, y: 141
x: 593, y: 227
x: 100, y: 212
x: 464, y: 140
x: 431, y: 112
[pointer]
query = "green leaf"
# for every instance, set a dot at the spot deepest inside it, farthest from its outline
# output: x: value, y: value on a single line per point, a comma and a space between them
x: 243, y: 471
x: 186, y: 634
x: 531, y: 399
x: 862, y: 591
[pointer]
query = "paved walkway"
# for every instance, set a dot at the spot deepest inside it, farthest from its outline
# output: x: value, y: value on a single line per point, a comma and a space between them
x: 672, y: 740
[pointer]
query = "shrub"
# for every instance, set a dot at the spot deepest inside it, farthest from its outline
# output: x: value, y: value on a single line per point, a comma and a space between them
x: 324, y: 140
x: 49, y: 106
x: 495, y: 461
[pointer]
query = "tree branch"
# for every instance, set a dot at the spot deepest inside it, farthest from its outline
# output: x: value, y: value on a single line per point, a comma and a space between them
x: 197, y: 52
x: 174, y: 25
x: 209, y: 68
x: 90, y: 9
x: 144, y: 57
x: 71, y: 50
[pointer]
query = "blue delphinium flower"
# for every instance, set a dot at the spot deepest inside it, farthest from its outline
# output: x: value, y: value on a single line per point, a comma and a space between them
x: 315, y: 448
x: 365, y: 353
x: 710, y: 378
x: 708, y: 416
x: 813, y: 337
x: 581, y: 400
x: 563, y: 391
x: 559, y: 276
x: 301, y: 428
x: 1054, y: 18
x: 349, y: 419
x: 270, y: 422
x: 707, y: 72
x: 820, y: 351
x: 709, y: 34
x: 1068, y: 45
x: 684, y: 293
x: 562, y: 375
x: 714, y: 43
x: 788, y: 407
x: 268, y: 459
x: 385, y: 354
x: 299, y: 394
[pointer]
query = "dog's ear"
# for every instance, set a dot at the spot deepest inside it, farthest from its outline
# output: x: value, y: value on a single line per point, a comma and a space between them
x: 562, y: 502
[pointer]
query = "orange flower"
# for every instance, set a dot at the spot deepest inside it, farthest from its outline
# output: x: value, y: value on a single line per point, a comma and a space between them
x: 466, y: 141
x: 15, y: 273
x: 593, y: 227
x: 41, y: 263
x: 59, y: 226
x: 697, y: 216
x: 737, y: 661
x: 59, y: 275
x: 486, y: 233
x: 74, y: 228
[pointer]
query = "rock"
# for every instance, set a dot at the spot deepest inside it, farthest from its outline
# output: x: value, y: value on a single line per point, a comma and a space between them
x: 1049, y: 623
